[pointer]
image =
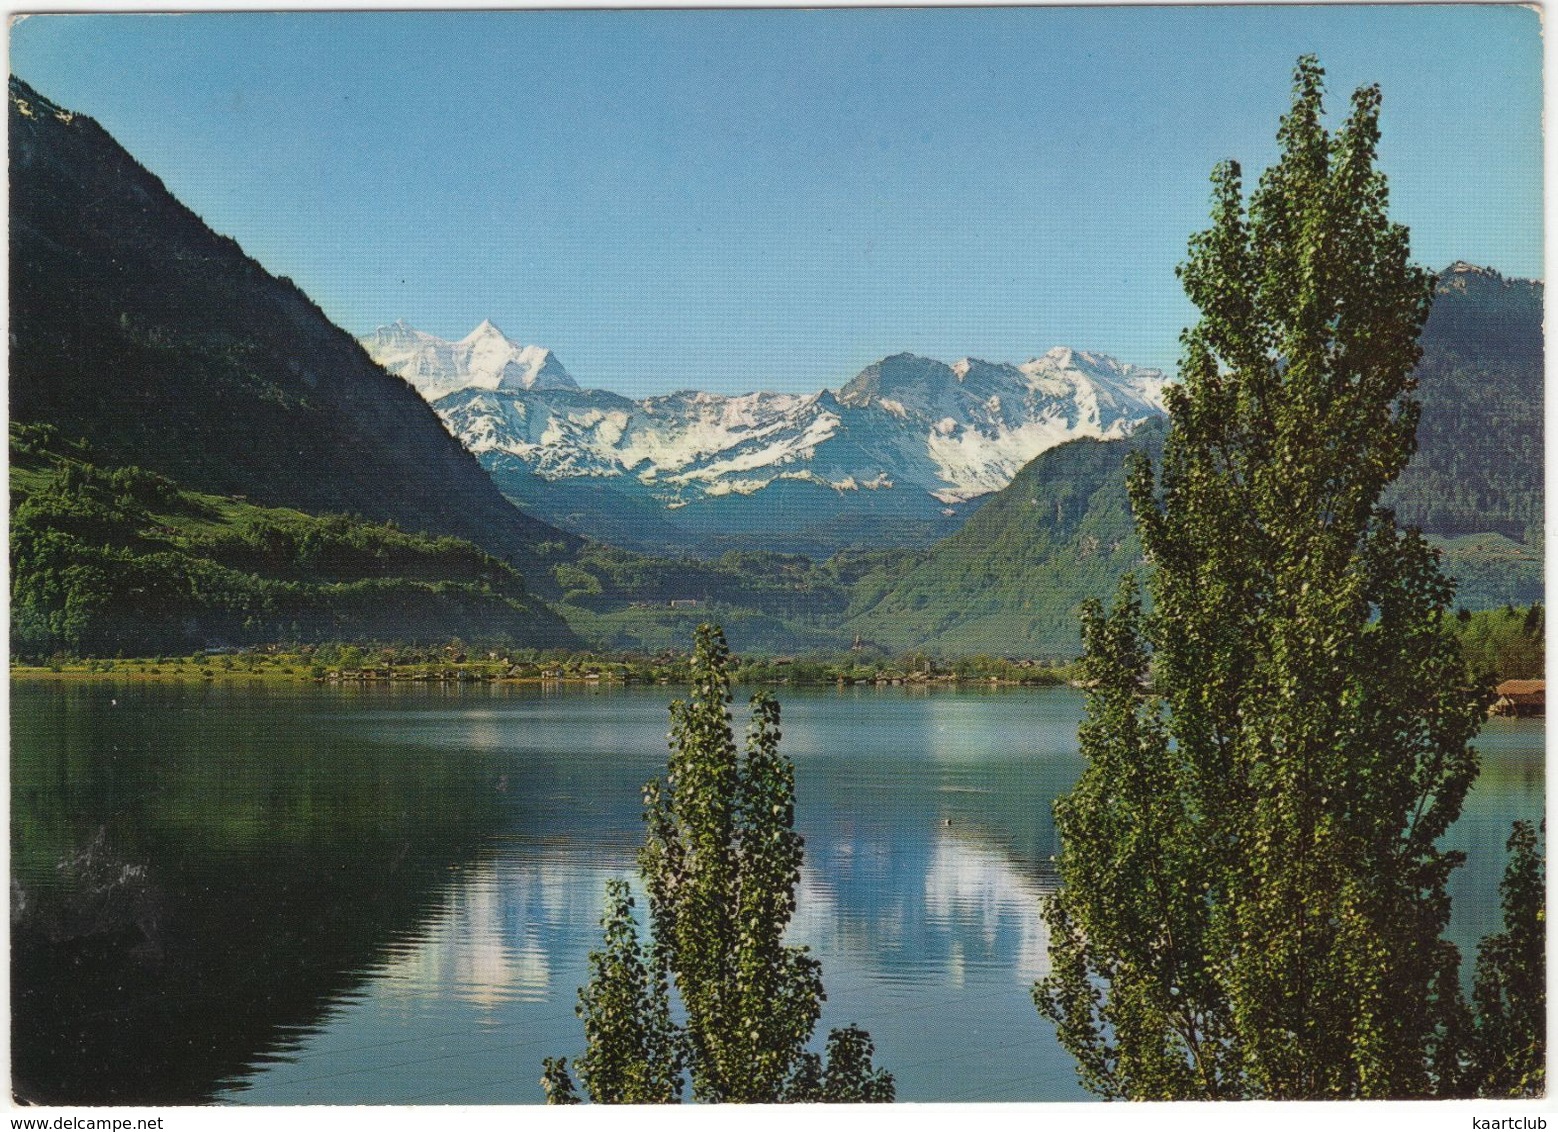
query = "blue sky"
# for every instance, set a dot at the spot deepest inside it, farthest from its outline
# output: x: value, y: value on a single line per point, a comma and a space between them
x: 734, y: 200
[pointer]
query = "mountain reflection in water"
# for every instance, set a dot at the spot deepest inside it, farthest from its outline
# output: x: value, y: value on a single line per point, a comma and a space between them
x: 342, y: 896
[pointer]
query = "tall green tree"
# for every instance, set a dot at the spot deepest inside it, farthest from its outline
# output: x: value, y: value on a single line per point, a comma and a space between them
x: 1253, y: 899
x: 720, y: 863
x: 1510, y: 995
x: 634, y: 1051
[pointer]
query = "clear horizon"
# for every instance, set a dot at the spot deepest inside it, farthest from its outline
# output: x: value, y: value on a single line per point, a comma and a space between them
x: 774, y: 199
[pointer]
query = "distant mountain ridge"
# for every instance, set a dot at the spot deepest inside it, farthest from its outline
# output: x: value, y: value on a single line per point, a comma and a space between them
x: 898, y: 452
x: 137, y: 329
x: 1012, y: 578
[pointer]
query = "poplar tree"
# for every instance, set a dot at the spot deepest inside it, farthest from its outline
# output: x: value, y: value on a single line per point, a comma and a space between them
x: 1510, y: 996
x: 1252, y: 897
x: 720, y: 863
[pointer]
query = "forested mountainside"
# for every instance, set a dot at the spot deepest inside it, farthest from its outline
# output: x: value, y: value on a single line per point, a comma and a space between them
x: 1011, y: 580
x: 200, y: 457
x: 1479, y: 442
x: 122, y: 562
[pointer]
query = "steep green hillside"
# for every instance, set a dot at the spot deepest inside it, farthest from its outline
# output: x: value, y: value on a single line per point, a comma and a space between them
x: 122, y: 561
x: 137, y: 328
x: 1011, y: 580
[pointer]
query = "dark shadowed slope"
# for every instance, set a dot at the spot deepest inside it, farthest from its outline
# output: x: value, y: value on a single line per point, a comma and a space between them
x: 1479, y: 443
x: 136, y: 327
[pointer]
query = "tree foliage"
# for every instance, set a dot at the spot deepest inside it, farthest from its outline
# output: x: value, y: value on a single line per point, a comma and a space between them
x: 1505, y: 644
x: 121, y: 560
x: 634, y: 1050
x: 1253, y: 899
x: 720, y: 862
x: 1510, y: 995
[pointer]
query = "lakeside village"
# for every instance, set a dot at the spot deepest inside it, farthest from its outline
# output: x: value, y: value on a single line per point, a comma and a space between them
x: 454, y: 664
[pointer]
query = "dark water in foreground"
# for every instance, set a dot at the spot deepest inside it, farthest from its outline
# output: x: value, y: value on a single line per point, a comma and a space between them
x: 304, y: 895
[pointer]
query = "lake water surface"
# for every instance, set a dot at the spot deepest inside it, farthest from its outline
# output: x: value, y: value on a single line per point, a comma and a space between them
x: 276, y: 895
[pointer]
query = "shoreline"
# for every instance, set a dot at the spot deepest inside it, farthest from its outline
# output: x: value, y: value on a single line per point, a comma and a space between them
x: 203, y: 675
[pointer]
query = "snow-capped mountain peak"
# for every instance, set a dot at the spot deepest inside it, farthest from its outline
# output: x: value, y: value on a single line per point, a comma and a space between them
x: 1092, y: 390
x: 486, y: 328
x: 486, y: 358
x: 908, y: 436
x: 398, y: 334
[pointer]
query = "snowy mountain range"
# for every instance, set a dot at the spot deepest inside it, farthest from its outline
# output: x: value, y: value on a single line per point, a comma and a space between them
x: 900, y: 452
x: 483, y: 359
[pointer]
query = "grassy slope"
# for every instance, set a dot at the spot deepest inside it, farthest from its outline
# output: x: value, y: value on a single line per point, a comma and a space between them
x: 123, y: 561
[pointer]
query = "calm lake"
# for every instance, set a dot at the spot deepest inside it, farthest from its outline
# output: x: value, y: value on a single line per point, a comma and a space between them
x: 276, y: 895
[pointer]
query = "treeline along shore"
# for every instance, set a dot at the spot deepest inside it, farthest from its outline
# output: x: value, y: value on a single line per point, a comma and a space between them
x: 1500, y: 644
x: 355, y: 665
